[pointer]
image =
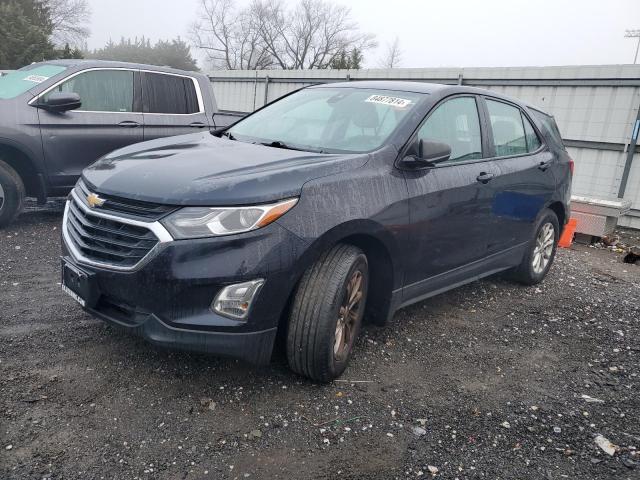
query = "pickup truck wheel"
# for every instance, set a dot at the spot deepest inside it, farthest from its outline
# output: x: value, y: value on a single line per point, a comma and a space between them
x: 327, y: 312
x: 541, y: 251
x: 11, y: 194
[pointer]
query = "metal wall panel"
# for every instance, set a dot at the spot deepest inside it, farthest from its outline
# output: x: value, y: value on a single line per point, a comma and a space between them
x: 597, y: 172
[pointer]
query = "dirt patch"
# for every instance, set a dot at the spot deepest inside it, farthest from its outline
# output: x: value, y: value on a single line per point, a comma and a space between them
x: 482, y: 382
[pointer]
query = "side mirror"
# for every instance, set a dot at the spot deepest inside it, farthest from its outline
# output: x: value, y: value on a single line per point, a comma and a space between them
x: 426, y: 154
x: 61, y: 102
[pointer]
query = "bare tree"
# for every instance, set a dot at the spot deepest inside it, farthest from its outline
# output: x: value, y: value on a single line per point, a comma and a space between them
x: 392, y: 56
x: 229, y: 36
x: 266, y: 34
x: 69, y: 19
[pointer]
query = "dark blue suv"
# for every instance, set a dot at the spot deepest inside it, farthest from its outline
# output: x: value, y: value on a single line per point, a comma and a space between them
x: 334, y: 204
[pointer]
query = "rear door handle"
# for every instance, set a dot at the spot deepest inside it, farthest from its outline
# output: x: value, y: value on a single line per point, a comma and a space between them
x: 544, y: 165
x: 197, y: 125
x: 485, y: 177
x: 129, y: 124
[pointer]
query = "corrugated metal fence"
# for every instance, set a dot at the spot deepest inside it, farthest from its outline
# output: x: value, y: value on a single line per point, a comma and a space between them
x: 597, y: 109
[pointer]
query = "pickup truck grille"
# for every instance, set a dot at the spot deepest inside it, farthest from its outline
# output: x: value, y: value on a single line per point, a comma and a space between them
x: 105, y: 241
x: 144, y: 211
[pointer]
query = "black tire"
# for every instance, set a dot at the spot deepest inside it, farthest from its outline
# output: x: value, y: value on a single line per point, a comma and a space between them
x: 526, y: 272
x: 319, y: 302
x: 11, y: 194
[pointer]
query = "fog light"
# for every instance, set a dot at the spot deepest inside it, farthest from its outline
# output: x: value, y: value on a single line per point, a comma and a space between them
x: 235, y: 300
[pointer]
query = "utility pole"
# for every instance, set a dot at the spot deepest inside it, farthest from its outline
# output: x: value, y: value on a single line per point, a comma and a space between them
x: 634, y: 34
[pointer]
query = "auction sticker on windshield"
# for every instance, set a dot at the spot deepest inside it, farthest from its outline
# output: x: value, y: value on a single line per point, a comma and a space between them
x: 36, y: 78
x: 391, y: 101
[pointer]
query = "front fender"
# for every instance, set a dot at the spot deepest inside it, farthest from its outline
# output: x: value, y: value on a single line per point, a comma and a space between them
x: 369, y: 201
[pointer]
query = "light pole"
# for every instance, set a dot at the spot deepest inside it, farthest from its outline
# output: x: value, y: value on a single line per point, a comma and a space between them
x: 634, y: 34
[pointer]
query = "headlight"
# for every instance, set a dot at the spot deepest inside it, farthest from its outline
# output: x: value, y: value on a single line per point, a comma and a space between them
x: 198, y: 222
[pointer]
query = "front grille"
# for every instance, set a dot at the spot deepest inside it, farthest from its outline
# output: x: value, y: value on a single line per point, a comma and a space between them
x: 107, y: 241
x: 144, y: 211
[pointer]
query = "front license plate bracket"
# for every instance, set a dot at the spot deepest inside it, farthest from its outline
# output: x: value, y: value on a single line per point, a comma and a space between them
x: 79, y: 284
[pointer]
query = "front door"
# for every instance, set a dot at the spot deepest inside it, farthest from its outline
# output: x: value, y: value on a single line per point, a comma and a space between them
x: 449, y: 204
x: 173, y: 105
x: 109, y: 118
x: 524, y: 183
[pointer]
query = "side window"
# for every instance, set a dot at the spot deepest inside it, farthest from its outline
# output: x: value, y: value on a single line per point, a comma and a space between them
x: 508, y: 129
x: 456, y: 123
x: 533, y: 142
x: 101, y: 90
x: 550, y: 124
x: 170, y: 94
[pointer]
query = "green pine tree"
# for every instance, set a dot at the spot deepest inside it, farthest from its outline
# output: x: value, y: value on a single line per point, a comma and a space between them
x: 340, y: 61
x: 68, y: 52
x: 347, y: 60
x: 173, y: 53
x: 355, y: 59
x: 25, y: 29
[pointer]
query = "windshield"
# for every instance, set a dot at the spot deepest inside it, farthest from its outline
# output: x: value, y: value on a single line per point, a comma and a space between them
x: 327, y: 119
x: 18, y: 82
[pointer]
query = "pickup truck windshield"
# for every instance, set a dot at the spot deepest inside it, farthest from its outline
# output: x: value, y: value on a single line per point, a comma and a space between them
x: 340, y: 119
x: 18, y: 82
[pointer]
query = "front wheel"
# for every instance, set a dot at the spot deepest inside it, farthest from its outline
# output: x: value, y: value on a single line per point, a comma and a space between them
x: 11, y: 194
x: 327, y: 312
x: 541, y: 251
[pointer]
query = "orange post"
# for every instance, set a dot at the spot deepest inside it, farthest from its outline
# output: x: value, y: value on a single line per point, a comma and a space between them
x: 566, y: 239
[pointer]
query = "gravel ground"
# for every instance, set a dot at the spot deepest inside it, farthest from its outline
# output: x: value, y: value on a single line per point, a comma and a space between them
x: 492, y: 380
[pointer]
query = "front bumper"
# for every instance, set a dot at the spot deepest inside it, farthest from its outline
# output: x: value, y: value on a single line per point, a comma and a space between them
x: 253, y: 347
x: 167, y: 299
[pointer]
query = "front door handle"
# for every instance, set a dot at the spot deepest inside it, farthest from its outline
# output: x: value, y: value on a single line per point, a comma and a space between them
x: 129, y: 124
x: 544, y: 165
x: 197, y: 125
x: 485, y: 177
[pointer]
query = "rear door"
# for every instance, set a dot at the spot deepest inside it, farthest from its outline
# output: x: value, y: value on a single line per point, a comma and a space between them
x: 173, y: 105
x: 449, y: 204
x: 524, y: 183
x: 110, y: 117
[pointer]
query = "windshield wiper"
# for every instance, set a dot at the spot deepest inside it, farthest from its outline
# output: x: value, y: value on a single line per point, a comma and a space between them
x: 223, y: 132
x: 281, y: 144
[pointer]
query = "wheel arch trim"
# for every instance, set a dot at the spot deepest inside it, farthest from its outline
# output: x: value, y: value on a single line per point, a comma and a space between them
x: 32, y: 174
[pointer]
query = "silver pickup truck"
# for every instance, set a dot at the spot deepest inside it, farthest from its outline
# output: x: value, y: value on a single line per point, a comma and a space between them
x: 58, y: 117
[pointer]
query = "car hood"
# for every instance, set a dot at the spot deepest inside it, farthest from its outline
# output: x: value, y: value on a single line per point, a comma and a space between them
x: 201, y: 169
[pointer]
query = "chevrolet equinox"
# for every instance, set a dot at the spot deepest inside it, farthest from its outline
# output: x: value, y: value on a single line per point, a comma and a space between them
x: 333, y: 204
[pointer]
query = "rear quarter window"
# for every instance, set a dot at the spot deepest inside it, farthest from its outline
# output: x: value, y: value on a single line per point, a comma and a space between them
x: 170, y: 94
x: 549, y: 124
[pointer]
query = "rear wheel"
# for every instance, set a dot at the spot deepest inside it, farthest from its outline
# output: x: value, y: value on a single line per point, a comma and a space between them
x: 11, y: 194
x: 541, y: 250
x: 327, y: 312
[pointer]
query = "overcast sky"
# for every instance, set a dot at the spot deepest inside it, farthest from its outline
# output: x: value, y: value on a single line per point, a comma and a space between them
x: 432, y: 33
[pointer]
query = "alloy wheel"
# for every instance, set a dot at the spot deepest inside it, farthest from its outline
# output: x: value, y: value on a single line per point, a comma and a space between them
x: 1, y: 196
x: 543, y: 248
x: 348, y: 316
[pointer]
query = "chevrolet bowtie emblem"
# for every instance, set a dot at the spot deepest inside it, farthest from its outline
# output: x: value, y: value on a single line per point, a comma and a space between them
x: 94, y: 200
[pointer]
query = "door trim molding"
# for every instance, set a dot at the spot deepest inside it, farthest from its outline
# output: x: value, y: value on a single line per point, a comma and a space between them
x: 458, y: 276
